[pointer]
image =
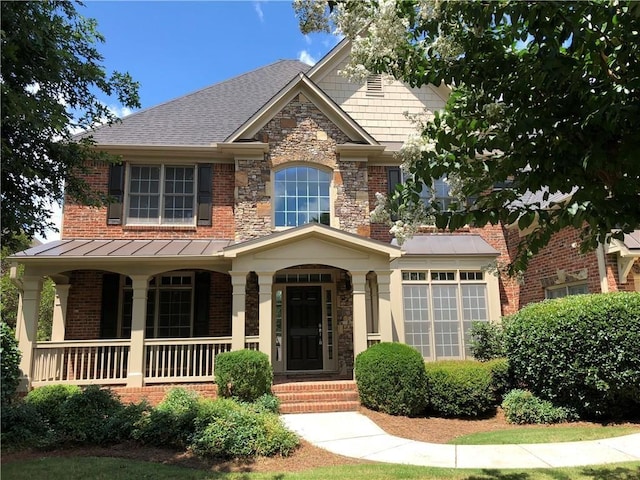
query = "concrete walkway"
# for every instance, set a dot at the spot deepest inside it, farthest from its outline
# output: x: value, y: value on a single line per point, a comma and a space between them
x: 354, y: 435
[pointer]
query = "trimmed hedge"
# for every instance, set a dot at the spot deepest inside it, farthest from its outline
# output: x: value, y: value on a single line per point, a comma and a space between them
x: 243, y: 374
x: 391, y: 378
x: 581, y: 352
x: 523, y: 407
x: 460, y: 388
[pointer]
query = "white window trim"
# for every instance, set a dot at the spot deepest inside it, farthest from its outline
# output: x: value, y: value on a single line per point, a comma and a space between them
x: 429, y: 282
x: 160, y: 222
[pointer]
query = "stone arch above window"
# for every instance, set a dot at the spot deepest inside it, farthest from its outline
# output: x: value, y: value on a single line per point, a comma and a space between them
x: 301, y: 195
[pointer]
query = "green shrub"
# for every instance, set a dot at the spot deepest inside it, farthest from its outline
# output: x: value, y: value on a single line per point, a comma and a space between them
x: 171, y: 423
x: 49, y: 400
x: 243, y: 374
x: 69, y: 415
x: 9, y: 363
x: 93, y: 417
x: 501, y: 378
x: 582, y: 352
x: 460, y: 388
x: 391, y: 378
x: 225, y: 428
x: 487, y: 341
x: 267, y: 403
x: 23, y: 427
x: 523, y: 407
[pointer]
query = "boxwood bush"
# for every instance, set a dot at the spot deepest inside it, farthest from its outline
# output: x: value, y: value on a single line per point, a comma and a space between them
x: 460, y: 388
x: 391, y: 378
x: 487, y: 341
x: 522, y: 406
x: 581, y: 352
x: 243, y: 374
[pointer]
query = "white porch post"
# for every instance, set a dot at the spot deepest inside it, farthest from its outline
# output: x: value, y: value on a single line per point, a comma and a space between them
x: 265, y: 282
x: 384, y: 307
x: 59, y: 322
x: 358, y: 281
x: 136, y: 370
x: 238, y: 305
x: 28, y: 330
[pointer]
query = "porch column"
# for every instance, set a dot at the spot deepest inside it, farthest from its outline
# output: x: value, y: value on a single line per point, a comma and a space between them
x: 59, y: 322
x: 385, y: 327
x: 136, y: 370
x: 238, y: 305
x: 358, y: 281
x: 28, y: 328
x: 265, y: 282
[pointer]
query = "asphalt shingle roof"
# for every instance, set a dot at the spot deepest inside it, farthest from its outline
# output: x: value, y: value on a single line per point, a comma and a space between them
x: 206, y: 116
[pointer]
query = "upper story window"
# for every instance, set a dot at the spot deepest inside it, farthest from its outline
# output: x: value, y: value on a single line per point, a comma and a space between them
x: 161, y: 195
x: 439, y: 191
x: 301, y: 195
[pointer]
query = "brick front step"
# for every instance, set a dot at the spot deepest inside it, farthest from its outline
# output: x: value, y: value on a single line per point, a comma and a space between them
x: 314, y: 397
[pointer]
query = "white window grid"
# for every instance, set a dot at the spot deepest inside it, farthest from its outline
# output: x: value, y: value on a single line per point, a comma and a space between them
x: 161, y: 195
x: 443, y: 310
x: 302, y: 195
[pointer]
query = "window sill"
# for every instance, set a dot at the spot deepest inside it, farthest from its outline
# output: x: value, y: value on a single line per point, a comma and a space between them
x: 159, y: 228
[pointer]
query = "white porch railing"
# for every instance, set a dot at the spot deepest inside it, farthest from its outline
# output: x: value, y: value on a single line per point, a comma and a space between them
x: 181, y: 360
x: 373, y: 338
x: 80, y: 362
x: 106, y: 362
x: 252, y: 342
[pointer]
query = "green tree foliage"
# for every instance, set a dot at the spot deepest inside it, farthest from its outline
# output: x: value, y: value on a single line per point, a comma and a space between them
x: 545, y: 98
x: 10, y: 293
x: 51, y: 71
x: 9, y: 363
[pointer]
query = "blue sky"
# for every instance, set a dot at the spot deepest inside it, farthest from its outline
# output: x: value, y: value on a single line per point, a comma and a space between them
x: 175, y: 47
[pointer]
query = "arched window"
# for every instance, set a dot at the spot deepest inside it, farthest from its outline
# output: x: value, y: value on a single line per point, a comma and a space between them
x: 301, y: 195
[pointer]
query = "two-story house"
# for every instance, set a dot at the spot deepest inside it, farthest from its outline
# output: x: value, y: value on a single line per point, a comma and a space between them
x: 241, y: 219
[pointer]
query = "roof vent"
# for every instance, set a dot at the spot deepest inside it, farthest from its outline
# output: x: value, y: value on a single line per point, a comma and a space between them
x: 374, y: 85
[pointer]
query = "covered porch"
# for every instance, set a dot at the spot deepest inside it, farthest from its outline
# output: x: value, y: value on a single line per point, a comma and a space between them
x: 148, y: 312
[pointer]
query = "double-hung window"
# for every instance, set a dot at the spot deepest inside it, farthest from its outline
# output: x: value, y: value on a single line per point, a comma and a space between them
x: 566, y: 290
x: 161, y: 195
x: 440, y: 307
x: 301, y: 196
x: 439, y: 191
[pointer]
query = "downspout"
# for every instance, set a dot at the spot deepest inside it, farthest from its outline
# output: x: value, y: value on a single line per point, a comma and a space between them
x: 602, y: 268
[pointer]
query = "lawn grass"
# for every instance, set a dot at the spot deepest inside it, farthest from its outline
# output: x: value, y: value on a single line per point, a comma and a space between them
x: 99, y: 468
x: 543, y: 434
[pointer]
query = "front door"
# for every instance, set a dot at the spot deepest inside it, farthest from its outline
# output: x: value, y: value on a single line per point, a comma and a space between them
x: 304, y: 328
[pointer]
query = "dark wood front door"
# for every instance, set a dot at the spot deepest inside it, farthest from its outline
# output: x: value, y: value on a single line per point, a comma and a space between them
x: 304, y: 328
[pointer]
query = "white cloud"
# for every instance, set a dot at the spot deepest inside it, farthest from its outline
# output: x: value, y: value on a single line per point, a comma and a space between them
x: 119, y: 111
x: 258, y: 8
x: 307, y: 39
x: 306, y: 57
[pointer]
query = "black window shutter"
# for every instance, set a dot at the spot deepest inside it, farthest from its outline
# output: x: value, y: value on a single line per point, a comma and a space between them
x: 110, y: 302
x: 393, y: 178
x: 201, y: 304
x: 116, y: 192
x: 205, y: 180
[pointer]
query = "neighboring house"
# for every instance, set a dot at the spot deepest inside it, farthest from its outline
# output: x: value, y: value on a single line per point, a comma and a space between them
x: 241, y: 219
